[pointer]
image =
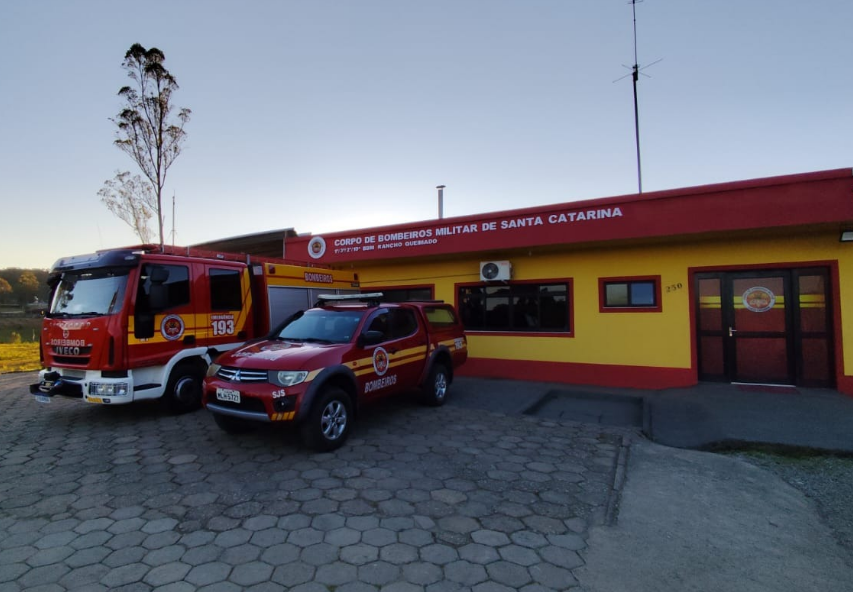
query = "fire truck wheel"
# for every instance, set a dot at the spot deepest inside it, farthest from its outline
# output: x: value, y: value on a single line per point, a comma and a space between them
x: 183, y: 391
x: 232, y: 425
x: 435, y: 388
x: 328, y: 423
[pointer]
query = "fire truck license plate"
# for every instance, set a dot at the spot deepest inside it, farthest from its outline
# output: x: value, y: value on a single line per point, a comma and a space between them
x: 228, y: 395
x: 42, y: 399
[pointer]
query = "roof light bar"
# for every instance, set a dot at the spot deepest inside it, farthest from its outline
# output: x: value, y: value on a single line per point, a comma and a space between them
x: 372, y: 298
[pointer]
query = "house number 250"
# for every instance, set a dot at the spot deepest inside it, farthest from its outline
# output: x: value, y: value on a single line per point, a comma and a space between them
x: 674, y: 287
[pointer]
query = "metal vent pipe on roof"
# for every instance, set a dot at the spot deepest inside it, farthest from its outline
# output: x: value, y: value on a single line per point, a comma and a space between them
x: 440, y: 201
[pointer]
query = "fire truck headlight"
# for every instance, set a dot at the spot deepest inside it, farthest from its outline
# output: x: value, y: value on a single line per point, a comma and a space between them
x: 213, y: 369
x: 108, y: 389
x: 287, y: 377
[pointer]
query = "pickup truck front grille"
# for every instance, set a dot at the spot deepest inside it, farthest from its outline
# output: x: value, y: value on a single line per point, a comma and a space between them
x: 242, y: 375
x: 247, y: 403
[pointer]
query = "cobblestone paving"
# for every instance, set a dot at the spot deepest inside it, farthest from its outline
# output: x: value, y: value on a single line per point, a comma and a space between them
x: 129, y: 499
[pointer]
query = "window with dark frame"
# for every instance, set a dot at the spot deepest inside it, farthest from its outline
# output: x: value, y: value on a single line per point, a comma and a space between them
x: 516, y: 308
x: 156, y: 296
x: 403, y: 323
x: 440, y: 316
x: 630, y: 294
x: 226, y: 292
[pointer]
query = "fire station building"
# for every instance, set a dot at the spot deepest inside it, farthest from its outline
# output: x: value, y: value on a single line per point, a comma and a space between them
x: 749, y: 282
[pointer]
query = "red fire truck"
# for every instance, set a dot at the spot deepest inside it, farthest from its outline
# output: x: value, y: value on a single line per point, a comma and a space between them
x: 143, y: 322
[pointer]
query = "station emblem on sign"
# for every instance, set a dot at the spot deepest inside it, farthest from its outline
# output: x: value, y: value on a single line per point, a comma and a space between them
x: 172, y: 327
x: 316, y: 247
x: 759, y: 299
x: 380, y: 361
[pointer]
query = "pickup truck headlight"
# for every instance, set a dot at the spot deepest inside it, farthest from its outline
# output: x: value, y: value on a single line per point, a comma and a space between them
x: 213, y: 369
x: 287, y: 377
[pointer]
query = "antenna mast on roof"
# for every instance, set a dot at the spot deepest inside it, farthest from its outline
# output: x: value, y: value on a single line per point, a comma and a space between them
x: 635, y: 75
x: 173, y: 218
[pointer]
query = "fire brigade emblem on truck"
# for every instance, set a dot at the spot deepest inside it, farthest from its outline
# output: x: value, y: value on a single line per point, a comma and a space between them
x: 317, y: 247
x: 172, y: 327
x: 380, y: 361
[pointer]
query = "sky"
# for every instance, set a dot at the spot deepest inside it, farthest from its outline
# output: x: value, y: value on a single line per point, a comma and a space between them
x: 328, y: 115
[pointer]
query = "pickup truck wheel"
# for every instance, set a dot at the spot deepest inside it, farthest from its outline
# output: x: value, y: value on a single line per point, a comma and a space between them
x: 435, y: 389
x: 328, y: 423
x: 232, y: 425
x: 183, y: 391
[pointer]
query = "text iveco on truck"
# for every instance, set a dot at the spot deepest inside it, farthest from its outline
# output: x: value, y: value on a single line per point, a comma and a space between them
x: 144, y: 323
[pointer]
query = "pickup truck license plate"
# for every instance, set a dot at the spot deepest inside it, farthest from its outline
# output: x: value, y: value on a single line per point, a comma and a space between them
x: 228, y: 395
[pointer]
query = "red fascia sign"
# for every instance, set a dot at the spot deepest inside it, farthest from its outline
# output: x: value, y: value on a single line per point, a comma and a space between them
x: 764, y: 203
x: 447, y: 236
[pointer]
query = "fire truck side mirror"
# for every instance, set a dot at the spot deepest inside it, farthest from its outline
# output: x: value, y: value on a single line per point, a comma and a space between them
x: 158, y: 292
x: 151, y: 300
x: 158, y: 297
x: 159, y: 275
x: 143, y: 326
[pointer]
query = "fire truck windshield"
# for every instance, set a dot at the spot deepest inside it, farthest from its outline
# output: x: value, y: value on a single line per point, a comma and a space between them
x: 91, y: 292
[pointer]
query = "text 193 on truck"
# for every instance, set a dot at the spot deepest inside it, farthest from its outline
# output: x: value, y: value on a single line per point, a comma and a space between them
x: 145, y: 323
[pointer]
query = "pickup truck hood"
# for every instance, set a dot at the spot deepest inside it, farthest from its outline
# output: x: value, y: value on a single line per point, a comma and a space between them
x: 277, y: 355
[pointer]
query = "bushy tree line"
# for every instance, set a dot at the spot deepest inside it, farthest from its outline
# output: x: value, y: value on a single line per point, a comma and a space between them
x: 23, y: 286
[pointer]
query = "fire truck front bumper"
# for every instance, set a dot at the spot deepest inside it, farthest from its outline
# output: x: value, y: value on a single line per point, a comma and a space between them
x: 90, y: 386
x: 53, y: 383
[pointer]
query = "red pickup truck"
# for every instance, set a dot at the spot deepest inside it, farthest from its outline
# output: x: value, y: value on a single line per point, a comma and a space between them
x: 317, y: 368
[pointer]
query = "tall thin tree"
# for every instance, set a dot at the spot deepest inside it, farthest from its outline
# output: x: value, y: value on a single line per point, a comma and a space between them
x: 132, y: 200
x: 148, y: 130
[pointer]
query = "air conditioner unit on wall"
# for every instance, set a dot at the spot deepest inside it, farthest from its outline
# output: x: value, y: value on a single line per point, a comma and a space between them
x: 494, y: 271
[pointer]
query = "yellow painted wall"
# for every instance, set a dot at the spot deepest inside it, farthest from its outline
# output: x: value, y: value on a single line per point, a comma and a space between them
x: 636, y: 339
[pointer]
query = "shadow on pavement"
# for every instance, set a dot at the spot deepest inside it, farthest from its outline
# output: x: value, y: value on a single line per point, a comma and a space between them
x: 708, y: 416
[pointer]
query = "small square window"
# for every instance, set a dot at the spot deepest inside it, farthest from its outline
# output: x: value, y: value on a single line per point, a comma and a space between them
x: 225, y: 289
x: 641, y: 294
x: 617, y: 295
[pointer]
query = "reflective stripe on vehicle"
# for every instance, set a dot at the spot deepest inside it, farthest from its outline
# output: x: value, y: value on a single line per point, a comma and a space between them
x: 364, y: 366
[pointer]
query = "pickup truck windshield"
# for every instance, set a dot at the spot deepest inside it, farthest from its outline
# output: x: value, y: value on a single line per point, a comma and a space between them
x: 323, y: 326
x: 93, y: 292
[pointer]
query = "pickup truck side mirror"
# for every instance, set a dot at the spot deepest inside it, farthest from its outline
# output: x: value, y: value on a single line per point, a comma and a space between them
x: 370, y: 338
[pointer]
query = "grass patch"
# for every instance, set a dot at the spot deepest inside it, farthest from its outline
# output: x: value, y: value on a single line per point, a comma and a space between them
x: 19, y: 357
x: 28, y: 328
